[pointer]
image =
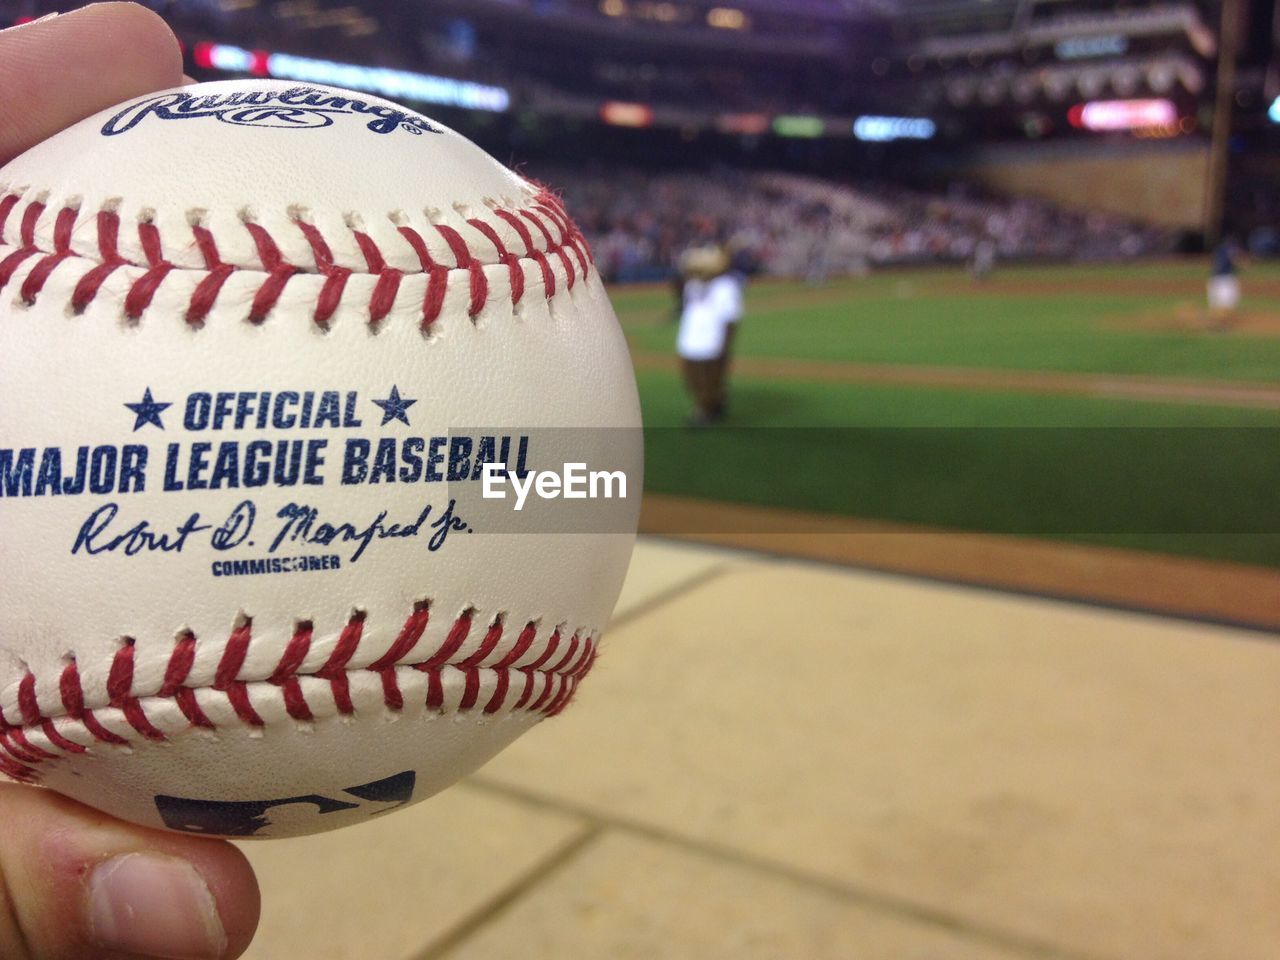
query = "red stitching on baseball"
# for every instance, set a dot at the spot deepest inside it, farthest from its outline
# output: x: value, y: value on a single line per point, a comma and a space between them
x: 384, y: 292
x: 499, y: 693
x: 238, y: 696
x: 144, y: 288
x: 25, y: 750
x: 278, y: 272
x: 409, y: 636
x: 296, y: 651
x: 384, y: 295
x: 335, y: 670
x: 544, y: 689
x: 27, y: 230
x: 7, y: 203
x: 526, y: 690
x: 435, y: 691
x: 190, y: 707
x: 61, y: 250
x: 108, y: 224
x: 545, y: 208
x: 335, y: 277
x: 437, y: 277
x: 180, y: 663
x: 28, y: 708
x: 531, y: 251
x: 71, y: 693
x: 294, y: 702
x: 523, y: 643
x: 58, y: 740
x: 348, y: 644
x: 574, y: 643
x: 120, y: 679
x: 518, y: 226
x: 542, y: 227
x: 462, y: 254
x: 16, y: 771
x: 11, y: 263
x: 547, y: 686
x: 504, y: 256
x: 550, y: 206
x: 233, y: 657
x: 486, y: 646
x: 206, y: 292
x: 120, y: 689
x: 572, y: 237
x: 552, y: 642
x: 391, y: 694
x: 471, y: 692
x: 453, y: 642
x: 27, y: 246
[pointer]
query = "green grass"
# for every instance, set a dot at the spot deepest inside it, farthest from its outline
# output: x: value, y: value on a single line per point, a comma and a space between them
x: 938, y: 318
x: 1196, y: 480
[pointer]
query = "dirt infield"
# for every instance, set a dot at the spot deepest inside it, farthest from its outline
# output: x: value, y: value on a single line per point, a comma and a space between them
x: 1188, y: 317
x: 1159, y: 389
x: 906, y: 284
x: 1102, y: 286
x: 1219, y: 592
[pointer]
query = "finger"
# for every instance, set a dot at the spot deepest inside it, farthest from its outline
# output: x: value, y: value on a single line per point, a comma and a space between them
x: 75, y: 883
x: 56, y: 71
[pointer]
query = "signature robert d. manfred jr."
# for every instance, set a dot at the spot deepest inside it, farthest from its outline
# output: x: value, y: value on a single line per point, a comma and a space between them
x: 296, y: 524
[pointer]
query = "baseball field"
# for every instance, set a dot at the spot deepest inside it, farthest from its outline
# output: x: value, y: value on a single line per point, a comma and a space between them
x: 1082, y: 404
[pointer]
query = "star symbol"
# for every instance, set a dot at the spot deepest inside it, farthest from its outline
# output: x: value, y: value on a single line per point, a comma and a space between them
x: 148, y: 411
x: 394, y: 407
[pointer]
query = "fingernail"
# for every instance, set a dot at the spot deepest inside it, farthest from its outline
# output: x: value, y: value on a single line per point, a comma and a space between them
x: 154, y: 906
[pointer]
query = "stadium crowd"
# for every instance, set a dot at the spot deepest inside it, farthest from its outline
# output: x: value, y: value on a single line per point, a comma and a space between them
x: 792, y: 225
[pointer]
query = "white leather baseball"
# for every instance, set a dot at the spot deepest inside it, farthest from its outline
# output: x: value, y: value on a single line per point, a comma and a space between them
x: 206, y: 297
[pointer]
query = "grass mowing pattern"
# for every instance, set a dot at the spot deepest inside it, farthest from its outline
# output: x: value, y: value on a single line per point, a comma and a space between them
x: 1177, y: 478
x: 936, y: 318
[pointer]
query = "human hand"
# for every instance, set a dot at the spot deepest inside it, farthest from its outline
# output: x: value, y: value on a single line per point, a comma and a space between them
x: 76, y: 884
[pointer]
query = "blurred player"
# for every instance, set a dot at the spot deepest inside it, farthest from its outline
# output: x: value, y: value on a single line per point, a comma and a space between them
x: 741, y: 266
x: 712, y: 301
x: 983, y: 260
x: 1224, y: 286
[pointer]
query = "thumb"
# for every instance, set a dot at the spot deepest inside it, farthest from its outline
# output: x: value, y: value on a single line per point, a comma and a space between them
x: 58, y: 70
x: 77, y: 884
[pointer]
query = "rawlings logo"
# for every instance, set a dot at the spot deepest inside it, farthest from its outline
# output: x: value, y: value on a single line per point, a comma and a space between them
x: 297, y: 108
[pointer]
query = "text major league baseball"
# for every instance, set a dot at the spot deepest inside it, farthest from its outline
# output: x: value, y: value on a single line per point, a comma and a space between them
x: 242, y: 461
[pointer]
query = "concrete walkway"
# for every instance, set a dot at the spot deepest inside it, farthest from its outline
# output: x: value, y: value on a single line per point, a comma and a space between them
x: 776, y: 759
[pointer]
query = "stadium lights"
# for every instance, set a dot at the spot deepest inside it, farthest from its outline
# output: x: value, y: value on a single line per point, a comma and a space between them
x: 727, y: 18
x: 884, y: 129
x: 1079, y: 48
x: 619, y: 114
x: 1274, y: 113
x: 747, y: 124
x: 396, y: 84
x: 798, y: 125
x: 1109, y: 115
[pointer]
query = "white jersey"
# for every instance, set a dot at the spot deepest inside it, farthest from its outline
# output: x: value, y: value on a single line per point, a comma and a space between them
x: 709, y: 307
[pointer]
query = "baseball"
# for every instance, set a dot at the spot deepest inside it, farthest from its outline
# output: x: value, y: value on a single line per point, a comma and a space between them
x: 260, y: 341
